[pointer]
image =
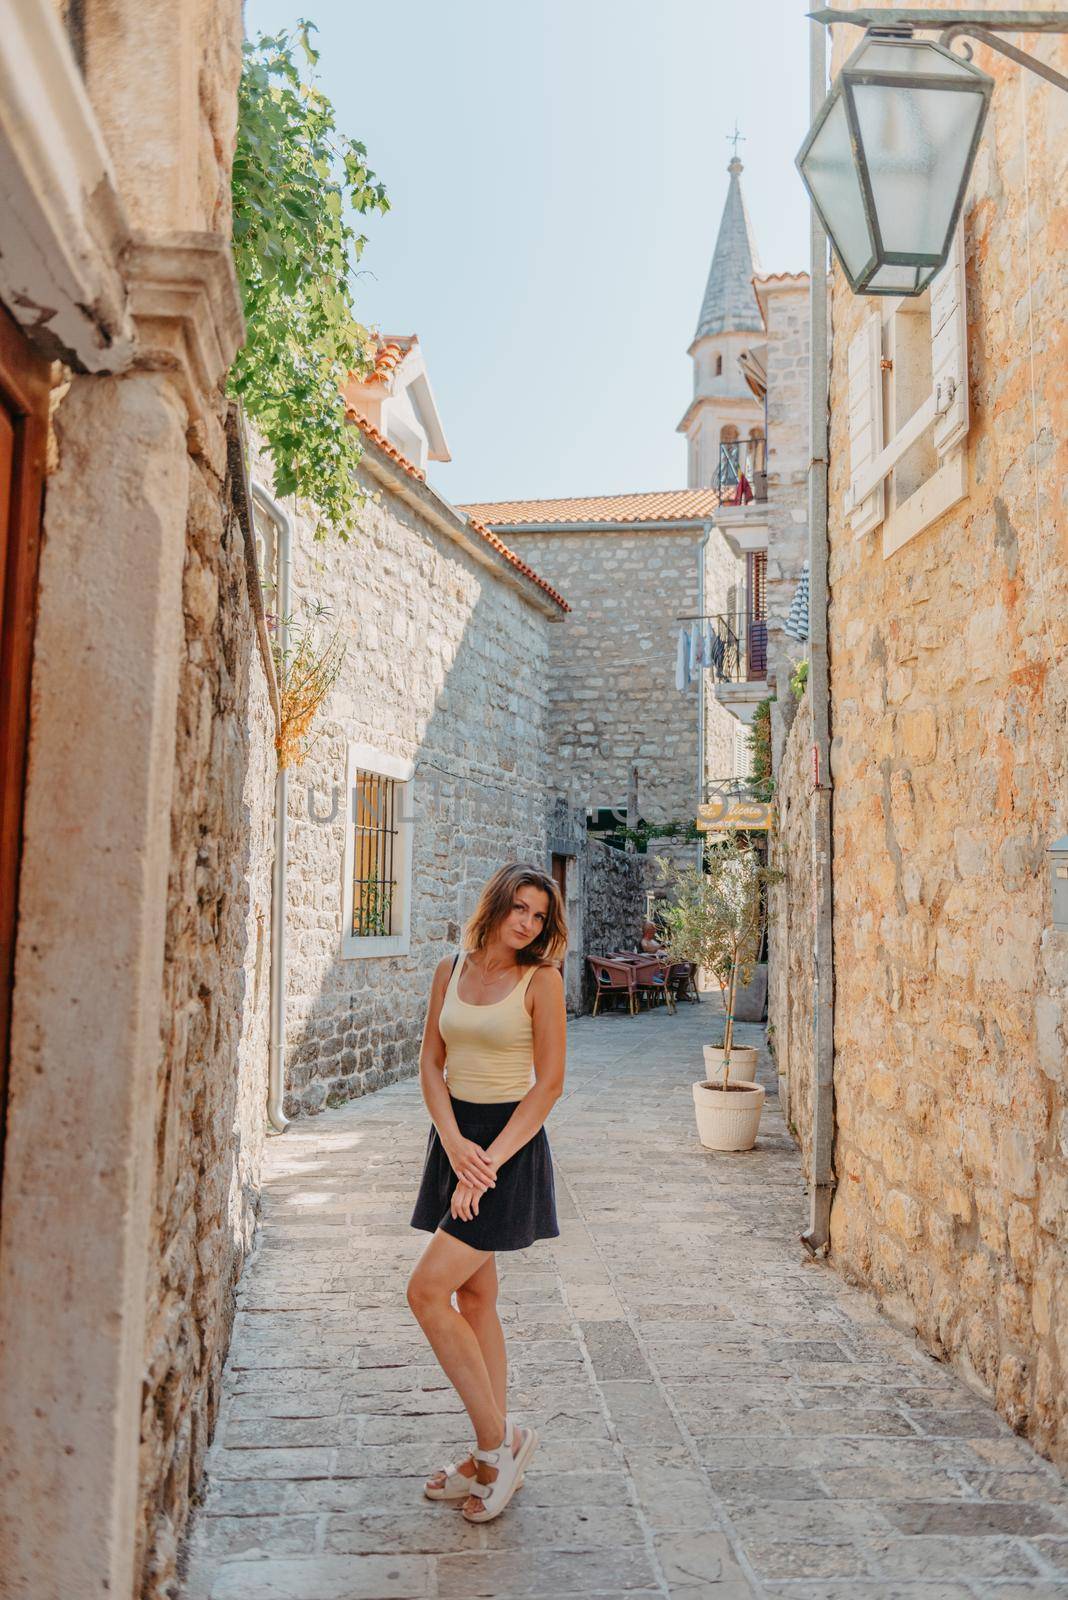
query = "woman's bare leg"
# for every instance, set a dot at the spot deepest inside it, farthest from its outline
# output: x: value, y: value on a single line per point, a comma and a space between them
x: 445, y: 1265
x: 477, y: 1300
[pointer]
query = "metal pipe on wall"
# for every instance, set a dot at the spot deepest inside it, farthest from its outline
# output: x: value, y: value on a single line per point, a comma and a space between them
x: 817, y: 1236
x: 276, y: 1070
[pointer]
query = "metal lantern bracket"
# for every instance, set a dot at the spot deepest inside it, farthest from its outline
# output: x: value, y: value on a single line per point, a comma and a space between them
x: 981, y: 25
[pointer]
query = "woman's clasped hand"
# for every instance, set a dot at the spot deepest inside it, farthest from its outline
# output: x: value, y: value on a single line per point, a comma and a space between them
x: 472, y: 1165
x: 464, y: 1202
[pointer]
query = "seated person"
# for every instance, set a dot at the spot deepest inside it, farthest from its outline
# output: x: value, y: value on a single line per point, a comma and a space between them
x: 650, y: 941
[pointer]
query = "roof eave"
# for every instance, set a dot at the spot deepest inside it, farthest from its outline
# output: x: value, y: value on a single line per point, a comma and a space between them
x: 422, y: 498
x: 664, y: 525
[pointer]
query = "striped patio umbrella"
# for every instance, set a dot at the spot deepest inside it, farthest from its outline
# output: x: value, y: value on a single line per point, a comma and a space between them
x: 796, y: 624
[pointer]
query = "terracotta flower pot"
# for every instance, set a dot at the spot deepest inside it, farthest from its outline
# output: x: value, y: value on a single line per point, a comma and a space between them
x: 728, y: 1119
x: 743, y: 1063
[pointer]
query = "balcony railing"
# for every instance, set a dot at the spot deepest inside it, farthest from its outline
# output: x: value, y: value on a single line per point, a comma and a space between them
x: 742, y: 474
x: 739, y: 648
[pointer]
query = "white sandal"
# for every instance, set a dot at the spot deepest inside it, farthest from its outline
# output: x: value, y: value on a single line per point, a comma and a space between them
x: 510, y: 1472
x: 457, y: 1485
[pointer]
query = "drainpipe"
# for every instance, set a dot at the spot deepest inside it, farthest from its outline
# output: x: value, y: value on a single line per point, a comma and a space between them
x: 701, y: 687
x: 817, y: 1237
x: 276, y: 1070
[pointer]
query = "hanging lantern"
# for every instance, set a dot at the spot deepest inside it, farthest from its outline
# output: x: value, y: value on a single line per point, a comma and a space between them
x: 887, y: 160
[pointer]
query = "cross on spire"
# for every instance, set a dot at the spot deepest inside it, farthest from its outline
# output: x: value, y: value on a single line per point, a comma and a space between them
x: 735, y: 139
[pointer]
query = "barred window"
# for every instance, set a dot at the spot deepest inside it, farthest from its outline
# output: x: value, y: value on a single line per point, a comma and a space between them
x: 374, y: 854
x: 378, y: 854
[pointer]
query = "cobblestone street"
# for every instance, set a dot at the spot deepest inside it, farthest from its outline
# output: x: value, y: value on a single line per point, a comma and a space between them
x: 719, y: 1416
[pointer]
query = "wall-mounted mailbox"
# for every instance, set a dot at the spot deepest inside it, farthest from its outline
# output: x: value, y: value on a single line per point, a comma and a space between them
x: 1058, y: 872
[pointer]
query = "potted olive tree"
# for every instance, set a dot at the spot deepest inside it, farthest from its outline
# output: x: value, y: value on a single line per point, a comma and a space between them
x: 717, y: 920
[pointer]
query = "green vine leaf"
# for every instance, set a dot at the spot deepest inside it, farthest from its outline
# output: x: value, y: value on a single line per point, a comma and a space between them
x: 296, y: 182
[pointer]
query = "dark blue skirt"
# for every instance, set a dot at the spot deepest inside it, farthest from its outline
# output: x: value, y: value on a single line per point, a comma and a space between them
x: 518, y: 1210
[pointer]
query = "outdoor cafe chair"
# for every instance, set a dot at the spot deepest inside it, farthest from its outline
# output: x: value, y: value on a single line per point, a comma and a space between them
x: 613, y: 977
x: 682, y: 981
x: 651, y: 979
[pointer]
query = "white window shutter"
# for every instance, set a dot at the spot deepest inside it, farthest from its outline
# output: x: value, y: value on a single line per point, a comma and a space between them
x: 742, y: 758
x: 865, y: 421
x: 949, y: 349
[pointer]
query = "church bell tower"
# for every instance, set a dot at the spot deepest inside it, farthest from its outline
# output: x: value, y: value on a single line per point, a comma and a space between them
x: 723, y: 409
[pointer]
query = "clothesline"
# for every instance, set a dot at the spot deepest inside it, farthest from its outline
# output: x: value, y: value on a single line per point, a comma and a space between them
x: 701, y: 648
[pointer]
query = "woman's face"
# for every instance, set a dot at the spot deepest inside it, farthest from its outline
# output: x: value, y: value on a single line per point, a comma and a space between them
x: 527, y: 918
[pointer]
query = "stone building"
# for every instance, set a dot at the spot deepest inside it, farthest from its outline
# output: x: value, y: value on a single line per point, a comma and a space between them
x: 949, y: 702
x: 429, y: 765
x: 632, y: 566
x: 768, y: 532
x: 137, y: 731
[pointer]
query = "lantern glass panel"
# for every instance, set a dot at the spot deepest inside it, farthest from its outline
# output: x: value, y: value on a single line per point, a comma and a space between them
x: 831, y: 174
x: 915, y: 143
x: 916, y: 56
x: 894, y: 279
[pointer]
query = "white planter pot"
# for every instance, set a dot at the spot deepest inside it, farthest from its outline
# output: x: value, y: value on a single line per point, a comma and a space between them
x: 743, y: 1063
x: 728, y: 1119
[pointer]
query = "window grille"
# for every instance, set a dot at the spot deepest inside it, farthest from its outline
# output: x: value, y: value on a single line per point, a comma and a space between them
x: 375, y: 855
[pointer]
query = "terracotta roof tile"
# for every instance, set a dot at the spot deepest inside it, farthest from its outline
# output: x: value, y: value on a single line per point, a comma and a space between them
x: 390, y: 351
x: 658, y: 505
x: 510, y: 555
x: 378, y: 439
x: 372, y: 433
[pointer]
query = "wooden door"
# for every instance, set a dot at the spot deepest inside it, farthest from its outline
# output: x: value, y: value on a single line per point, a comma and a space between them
x: 24, y: 388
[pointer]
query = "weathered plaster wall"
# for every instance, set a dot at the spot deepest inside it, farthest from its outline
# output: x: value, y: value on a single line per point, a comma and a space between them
x: 790, y: 931
x: 126, y: 1206
x: 446, y: 665
x: 950, y: 765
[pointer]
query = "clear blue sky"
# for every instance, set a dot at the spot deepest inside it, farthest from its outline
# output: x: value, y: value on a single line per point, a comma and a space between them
x: 557, y: 169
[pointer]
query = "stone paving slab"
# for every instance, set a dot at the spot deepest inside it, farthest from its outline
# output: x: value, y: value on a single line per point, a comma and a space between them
x: 721, y: 1417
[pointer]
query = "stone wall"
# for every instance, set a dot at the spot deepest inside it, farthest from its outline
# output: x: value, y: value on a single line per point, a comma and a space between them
x: 134, y: 1115
x: 787, y: 315
x: 614, y: 908
x: 790, y: 931
x: 212, y: 1087
x: 612, y: 696
x: 950, y: 766
x: 446, y: 665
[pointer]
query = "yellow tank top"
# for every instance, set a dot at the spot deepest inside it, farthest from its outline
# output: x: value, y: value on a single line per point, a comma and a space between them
x: 489, y: 1050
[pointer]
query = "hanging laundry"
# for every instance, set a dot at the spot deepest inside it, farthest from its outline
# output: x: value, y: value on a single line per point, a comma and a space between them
x: 695, y: 634
x: 709, y: 635
x: 699, y: 646
x: 682, y: 661
x: 716, y: 656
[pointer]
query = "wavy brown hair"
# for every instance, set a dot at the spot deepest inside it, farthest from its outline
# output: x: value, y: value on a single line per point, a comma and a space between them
x: 495, y: 902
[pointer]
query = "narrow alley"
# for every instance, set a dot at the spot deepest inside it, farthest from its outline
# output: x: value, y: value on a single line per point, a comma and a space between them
x: 719, y: 1416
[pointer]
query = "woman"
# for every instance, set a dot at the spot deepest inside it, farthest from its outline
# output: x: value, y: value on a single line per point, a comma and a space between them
x: 650, y: 940
x: 491, y: 1070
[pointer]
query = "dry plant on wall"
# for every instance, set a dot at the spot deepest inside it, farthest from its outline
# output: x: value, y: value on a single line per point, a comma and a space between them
x: 307, y: 671
x: 717, y: 919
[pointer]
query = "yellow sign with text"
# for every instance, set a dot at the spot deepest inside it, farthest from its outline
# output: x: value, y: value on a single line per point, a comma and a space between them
x: 757, y: 815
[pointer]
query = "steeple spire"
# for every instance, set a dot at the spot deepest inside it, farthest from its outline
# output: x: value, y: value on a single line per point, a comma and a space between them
x: 729, y: 305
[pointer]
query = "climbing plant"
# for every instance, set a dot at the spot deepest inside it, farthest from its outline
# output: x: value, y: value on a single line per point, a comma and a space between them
x: 799, y: 680
x: 759, y: 741
x: 296, y: 180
